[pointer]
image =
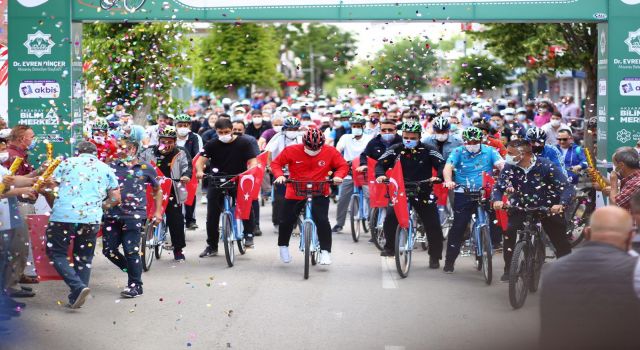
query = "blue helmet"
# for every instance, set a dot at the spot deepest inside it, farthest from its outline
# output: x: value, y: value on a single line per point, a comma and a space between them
x: 290, y: 122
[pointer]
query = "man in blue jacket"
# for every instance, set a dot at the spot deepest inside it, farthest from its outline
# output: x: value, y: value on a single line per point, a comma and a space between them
x: 532, y: 182
x: 574, y: 157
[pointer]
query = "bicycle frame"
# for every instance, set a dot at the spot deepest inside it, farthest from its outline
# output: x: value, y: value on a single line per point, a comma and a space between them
x: 362, y: 211
x: 315, y: 243
x: 480, y: 222
x: 236, y: 225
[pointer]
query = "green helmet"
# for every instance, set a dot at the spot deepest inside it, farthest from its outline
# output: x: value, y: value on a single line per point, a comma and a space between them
x: 182, y: 118
x: 345, y: 114
x: 412, y: 126
x: 100, y: 124
x: 357, y: 119
x: 472, y: 134
x: 168, y: 131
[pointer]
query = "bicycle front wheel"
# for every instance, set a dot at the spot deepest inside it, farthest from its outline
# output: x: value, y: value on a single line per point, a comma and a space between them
x: 306, y: 233
x: 539, y: 254
x: 160, y: 234
x: 146, y: 245
x: 486, y: 254
x: 227, y: 239
x: 354, y: 218
x: 577, y: 222
x: 519, y: 275
x: 403, y: 252
x: 376, y: 232
x: 133, y: 5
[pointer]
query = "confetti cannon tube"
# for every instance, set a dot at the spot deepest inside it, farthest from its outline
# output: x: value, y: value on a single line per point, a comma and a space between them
x: 49, y: 151
x: 593, y: 173
x: 12, y: 170
x: 47, y: 173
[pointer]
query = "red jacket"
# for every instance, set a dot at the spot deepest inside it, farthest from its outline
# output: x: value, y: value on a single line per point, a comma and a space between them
x: 108, y: 150
x: 305, y: 167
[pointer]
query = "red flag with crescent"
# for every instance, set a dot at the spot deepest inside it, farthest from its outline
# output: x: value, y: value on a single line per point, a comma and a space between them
x: 398, y: 195
x: 377, y: 191
x: 192, y: 185
x: 165, y: 186
x: 247, y: 184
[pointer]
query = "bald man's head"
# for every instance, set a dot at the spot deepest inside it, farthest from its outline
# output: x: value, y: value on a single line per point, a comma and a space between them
x: 612, y: 225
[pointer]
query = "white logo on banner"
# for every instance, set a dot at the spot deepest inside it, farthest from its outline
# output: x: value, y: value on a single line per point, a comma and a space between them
x: 39, y: 89
x: 31, y: 3
x: 633, y: 41
x: 39, y: 44
x: 623, y: 135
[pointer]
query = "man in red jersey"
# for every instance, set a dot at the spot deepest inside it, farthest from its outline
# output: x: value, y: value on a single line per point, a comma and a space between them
x: 309, y: 161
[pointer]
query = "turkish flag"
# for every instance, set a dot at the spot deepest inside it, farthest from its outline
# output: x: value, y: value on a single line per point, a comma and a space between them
x: 262, y: 165
x: 165, y: 186
x: 192, y: 185
x: 358, y: 178
x: 441, y: 192
x: 377, y: 191
x: 501, y: 215
x: 248, y: 189
x: 398, y: 195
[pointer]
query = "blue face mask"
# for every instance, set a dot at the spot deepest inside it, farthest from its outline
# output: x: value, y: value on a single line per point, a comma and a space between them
x: 410, y: 143
x: 387, y: 137
x: 33, y: 144
x: 346, y: 125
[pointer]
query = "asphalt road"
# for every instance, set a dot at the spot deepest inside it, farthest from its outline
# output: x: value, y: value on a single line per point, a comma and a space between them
x: 359, y: 302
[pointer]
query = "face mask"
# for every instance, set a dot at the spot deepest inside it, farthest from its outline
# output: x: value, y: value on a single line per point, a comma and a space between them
x: 266, y: 119
x: 337, y: 124
x: 182, y: 132
x: 310, y: 152
x: 522, y: 117
x: 99, y: 140
x: 445, y: 114
x: 454, y: 127
x: 128, y: 159
x: 555, y: 123
x: 494, y: 124
x: 346, y: 125
x: 4, y: 156
x: 357, y: 132
x: 306, y: 122
x: 237, y: 133
x: 291, y: 134
x: 225, y: 138
x: 542, y: 111
x: 119, y: 114
x: 93, y: 114
x: 472, y: 148
x: 256, y: 120
x: 411, y: 144
x: 442, y: 137
x: 508, y: 118
x: 509, y: 159
x: 277, y: 128
x: 387, y: 137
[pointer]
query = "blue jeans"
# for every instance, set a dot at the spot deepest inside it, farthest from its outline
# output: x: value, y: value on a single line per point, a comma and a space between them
x: 59, y: 235
x: 125, y: 231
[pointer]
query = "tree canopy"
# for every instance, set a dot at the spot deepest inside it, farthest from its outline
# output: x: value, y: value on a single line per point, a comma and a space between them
x: 476, y: 72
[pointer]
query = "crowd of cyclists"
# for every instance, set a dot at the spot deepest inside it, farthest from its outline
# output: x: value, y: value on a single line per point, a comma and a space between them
x: 534, y: 152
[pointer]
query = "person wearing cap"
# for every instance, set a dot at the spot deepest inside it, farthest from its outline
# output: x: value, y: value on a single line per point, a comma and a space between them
x: 239, y: 113
x: 175, y: 164
x: 86, y: 188
x: 151, y: 134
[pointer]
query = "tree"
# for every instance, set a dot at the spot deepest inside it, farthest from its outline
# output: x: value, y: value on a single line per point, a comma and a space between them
x: 356, y: 77
x: 135, y: 65
x: 475, y: 72
x: 405, y: 66
x: 236, y: 55
x: 333, y: 49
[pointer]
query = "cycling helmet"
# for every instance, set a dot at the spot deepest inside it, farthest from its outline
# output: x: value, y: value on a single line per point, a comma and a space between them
x: 357, y: 119
x: 441, y: 124
x: 290, y: 122
x: 412, y: 126
x: 345, y: 114
x: 168, y: 132
x: 536, y: 134
x: 472, y: 134
x: 100, y: 124
x: 182, y: 118
x: 313, y: 139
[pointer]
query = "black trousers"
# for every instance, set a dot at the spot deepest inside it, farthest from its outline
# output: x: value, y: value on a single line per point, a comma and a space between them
x: 554, y: 226
x: 175, y: 222
x: 255, y: 212
x: 189, y: 213
x: 278, y: 202
x: 215, y: 205
x: 320, y: 213
x: 428, y: 213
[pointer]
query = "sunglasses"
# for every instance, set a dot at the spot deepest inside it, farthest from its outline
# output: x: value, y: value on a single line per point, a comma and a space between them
x: 561, y: 140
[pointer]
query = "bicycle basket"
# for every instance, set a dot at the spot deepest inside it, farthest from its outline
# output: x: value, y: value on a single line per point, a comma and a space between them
x: 305, y: 188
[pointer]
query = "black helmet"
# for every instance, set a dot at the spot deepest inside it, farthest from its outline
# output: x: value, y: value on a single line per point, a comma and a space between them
x: 441, y: 124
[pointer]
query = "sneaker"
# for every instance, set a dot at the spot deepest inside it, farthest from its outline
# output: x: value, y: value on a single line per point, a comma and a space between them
x: 284, y: 254
x: 178, y: 255
x: 203, y: 200
x: 434, y: 263
x: 325, y: 257
x: 257, y: 232
x: 336, y: 229
x: 388, y: 253
x: 504, y: 277
x: 192, y: 226
x: 167, y: 246
x: 448, y: 267
x: 132, y: 292
x: 80, y: 299
x: 371, y: 240
x: 248, y: 241
x: 209, y: 251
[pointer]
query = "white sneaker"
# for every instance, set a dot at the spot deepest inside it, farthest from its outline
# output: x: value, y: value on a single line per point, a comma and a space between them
x: 325, y: 257
x: 203, y: 200
x: 284, y: 255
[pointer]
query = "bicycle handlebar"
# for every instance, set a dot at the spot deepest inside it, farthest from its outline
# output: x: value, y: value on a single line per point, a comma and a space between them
x: 543, y: 210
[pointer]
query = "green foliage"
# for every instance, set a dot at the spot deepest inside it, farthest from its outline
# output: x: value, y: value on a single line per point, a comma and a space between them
x: 135, y: 64
x: 356, y: 77
x: 235, y: 55
x: 475, y: 72
x: 333, y: 48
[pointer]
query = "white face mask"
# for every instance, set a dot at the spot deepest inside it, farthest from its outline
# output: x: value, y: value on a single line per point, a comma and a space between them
x: 99, y: 140
x: 508, y: 117
x: 509, y: 159
x: 257, y: 120
x: 310, y: 152
x: 555, y: 123
x: 291, y: 134
x: 357, y: 131
x: 306, y: 122
x: 225, y: 138
x: 337, y: 124
x: 445, y: 114
x: 277, y: 128
x: 4, y: 156
x: 522, y: 117
x: 182, y: 132
x: 472, y: 148
x: 442, y: 137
